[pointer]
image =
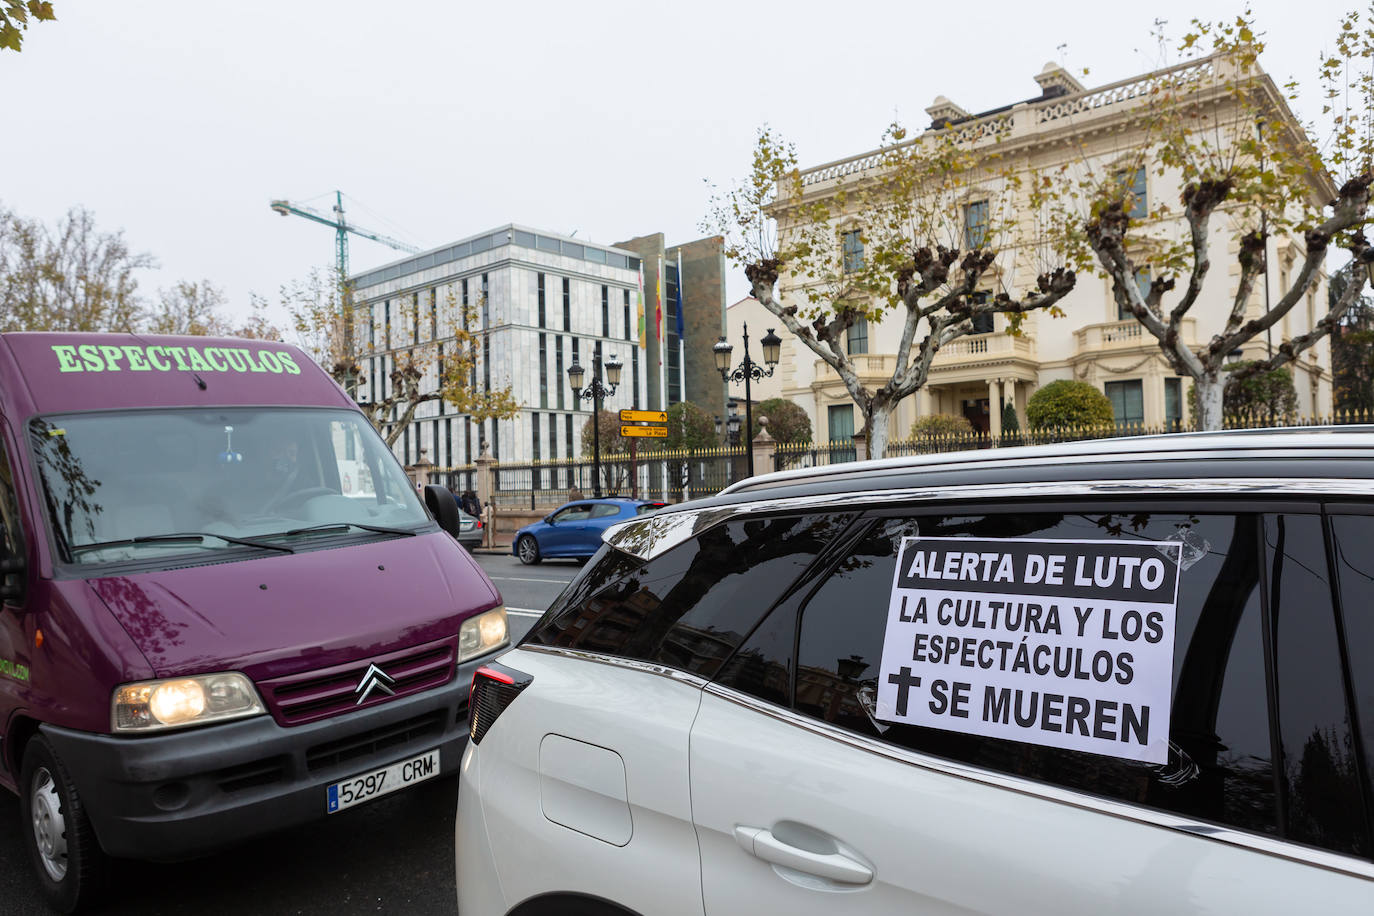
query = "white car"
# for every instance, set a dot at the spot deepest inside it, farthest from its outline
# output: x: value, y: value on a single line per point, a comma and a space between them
x: 1131, y: 676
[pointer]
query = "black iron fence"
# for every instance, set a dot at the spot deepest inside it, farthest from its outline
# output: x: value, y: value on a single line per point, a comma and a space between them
x: 680, y: 475
x: 669, y: 475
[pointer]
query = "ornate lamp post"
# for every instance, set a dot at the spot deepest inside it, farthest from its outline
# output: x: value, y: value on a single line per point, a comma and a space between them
x: 748, y: 371
x: 596, y: 393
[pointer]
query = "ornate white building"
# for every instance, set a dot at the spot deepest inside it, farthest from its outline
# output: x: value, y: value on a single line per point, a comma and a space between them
x: 1066, y: 124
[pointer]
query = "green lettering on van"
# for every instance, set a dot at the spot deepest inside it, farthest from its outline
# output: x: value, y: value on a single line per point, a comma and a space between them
x: 90, y: 358
x: 11, y: 670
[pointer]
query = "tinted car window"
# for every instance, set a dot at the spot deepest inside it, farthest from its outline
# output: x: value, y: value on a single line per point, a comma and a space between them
x: 11, y: 529
x: 692, y: 606
x: 1219, y: 764
x: 604, y: 510
x: 1319, y: 775
x: 1352, y: 537
x: 573, y: 514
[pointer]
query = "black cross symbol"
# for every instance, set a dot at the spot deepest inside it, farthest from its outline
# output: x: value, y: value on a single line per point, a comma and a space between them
x: 904, y: 681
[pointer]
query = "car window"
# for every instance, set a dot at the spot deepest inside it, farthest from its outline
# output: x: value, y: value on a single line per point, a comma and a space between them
x: 1351, y: 538
x: 578, y: 513
x: 11, y: 529
x: 1219, y: 764
x: 692, y: 606
x: 1319, y: 776
x: 605, y: 510
x: 646, y: 508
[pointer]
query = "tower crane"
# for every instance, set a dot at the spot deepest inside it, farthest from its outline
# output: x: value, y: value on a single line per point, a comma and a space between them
x: 341, y: 229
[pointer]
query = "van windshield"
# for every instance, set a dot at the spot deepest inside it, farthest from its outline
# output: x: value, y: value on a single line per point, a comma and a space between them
x: 117, y: 484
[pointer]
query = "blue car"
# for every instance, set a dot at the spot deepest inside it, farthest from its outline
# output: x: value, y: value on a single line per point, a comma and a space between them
x: 574, y: 529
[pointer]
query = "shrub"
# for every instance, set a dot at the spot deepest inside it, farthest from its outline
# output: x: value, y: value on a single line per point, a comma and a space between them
x: 940, y: 425
x: 1068, y: 403
x: 787, y: 422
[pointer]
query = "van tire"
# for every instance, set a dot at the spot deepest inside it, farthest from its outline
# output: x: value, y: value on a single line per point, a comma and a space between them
x: 528, y: 550
x: 53, y: 819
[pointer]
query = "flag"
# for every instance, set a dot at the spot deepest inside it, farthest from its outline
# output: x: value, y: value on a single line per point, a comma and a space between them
x: 658, y: 305
x: 639, y: 298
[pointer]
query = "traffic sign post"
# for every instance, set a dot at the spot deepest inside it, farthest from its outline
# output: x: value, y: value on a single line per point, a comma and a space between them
x: 644, y: 432
x: 643, y: 416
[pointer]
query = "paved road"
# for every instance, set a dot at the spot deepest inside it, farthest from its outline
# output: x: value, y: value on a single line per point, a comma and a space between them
x: 527, y: 588
x: 392, y: 856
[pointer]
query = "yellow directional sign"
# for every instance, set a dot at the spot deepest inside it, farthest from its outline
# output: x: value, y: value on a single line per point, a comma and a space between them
x: 643, y: 416
x: 641, y: 432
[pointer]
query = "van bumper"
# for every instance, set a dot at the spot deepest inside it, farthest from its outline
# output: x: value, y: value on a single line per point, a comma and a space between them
x: 182, y: 794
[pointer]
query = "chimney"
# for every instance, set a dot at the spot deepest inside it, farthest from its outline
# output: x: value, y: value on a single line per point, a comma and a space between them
x: 943, y: 113
x: 1055, y: 81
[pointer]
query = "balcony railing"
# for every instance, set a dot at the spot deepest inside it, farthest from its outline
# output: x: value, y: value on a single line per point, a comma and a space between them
x: 1124, y: 335
x: 976, y: 347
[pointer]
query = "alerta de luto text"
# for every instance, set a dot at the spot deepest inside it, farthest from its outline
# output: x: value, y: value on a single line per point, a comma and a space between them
x: 104, y: 358
x: 12, y: 670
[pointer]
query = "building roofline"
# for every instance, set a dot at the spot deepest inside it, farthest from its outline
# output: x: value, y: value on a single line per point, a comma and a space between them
x: 508, y: 228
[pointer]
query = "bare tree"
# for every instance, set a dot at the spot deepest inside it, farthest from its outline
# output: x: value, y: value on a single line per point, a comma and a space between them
x: 73, y: 277
x: 897, y: 238
x: 441, y: 363
x: 1223, y: 126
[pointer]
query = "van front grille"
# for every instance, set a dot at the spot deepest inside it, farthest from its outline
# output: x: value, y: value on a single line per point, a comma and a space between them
x: 319, y: 694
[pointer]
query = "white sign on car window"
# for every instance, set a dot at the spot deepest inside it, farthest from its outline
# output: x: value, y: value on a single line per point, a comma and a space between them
x: 1068, y: 644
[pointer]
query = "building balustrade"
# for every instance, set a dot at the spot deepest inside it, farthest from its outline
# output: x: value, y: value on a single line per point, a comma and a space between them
x: 1124, y: 335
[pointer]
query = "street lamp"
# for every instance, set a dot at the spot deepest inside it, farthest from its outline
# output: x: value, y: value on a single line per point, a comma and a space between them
x: 595, y: 392
x: 748, y: 371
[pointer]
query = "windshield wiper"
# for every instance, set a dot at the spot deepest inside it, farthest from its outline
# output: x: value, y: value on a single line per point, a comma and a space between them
x: 185, y: 537
x: 344, y: 526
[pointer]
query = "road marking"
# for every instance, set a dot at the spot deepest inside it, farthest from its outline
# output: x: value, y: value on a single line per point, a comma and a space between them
x: 518, y: 579
x: 524, y: 612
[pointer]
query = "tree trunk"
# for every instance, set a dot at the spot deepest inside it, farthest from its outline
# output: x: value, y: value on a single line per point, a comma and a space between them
x: 1210, y: 388
x: 878, y: 429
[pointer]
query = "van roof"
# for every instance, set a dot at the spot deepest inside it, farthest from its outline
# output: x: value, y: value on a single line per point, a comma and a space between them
x: 54, y: 372
x: 1330, y: 452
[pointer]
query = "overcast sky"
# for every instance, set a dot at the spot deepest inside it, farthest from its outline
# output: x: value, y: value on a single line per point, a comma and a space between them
x: 178, y: 121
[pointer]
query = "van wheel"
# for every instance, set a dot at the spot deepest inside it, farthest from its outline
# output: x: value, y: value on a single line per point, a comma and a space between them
x: 528, y: 549
x: 66, y: 856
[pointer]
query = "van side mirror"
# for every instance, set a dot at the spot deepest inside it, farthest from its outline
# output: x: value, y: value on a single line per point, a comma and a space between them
x: 10, y: 566
x: 443, y: 508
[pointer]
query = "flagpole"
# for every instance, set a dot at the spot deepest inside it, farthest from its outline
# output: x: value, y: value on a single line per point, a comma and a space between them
x: 681, y: 327
x: 658, y: 335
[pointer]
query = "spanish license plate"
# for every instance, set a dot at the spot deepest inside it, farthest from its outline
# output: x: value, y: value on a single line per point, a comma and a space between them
x: 366, y: 786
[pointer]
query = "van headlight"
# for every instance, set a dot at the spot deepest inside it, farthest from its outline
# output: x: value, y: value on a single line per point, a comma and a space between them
x: 177, y: 701
x: 482, y: 634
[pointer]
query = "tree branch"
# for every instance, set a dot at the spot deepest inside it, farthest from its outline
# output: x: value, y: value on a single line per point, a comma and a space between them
x: 1357, y: 272
x: 763, y: 277
x: 1200, y: 201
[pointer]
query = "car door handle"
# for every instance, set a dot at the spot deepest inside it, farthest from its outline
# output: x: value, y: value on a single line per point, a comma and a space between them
x: 761, y: 843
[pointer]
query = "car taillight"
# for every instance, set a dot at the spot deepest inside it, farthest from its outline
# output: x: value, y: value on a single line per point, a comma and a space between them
x: 494, y: 687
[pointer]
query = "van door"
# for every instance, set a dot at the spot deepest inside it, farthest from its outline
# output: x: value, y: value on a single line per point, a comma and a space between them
x: 807, y: 800
x: 15, y: 626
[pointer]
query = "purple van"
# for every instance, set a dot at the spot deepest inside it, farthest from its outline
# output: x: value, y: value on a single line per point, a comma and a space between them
x: 226, y: 608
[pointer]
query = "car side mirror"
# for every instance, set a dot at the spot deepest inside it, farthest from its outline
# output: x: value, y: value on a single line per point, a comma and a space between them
x: 12, y: 566
x: 441, y: 506
x: 548, y: 519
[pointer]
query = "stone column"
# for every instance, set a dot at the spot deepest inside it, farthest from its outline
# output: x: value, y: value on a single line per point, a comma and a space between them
x: 923, y: 402
x: 486, y: 484
x: 860, y: 447
x: 764, y: 448
x: 995, y: 407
